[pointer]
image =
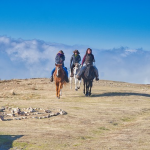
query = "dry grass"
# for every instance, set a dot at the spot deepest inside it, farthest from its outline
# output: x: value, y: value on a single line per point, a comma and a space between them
x: 115, y: 117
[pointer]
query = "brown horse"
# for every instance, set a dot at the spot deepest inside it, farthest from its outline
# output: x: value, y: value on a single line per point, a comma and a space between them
x: 59, y: 77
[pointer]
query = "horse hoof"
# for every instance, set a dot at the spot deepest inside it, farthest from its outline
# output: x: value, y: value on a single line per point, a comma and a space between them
x: 86, y: 95
x: 58, y: 97
x: 76, y: 89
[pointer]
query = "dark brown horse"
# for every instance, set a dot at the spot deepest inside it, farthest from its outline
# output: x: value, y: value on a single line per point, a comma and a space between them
x: 59, y: 77
x: 88, y: 77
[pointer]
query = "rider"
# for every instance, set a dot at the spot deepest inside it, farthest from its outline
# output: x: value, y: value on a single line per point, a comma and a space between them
x: 59, y: 59
x: 88, y: 59
x: 75, y: 58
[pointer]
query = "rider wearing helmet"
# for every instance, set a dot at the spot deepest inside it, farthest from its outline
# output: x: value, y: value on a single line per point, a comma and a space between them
x: 88, y: 59
x: 75, y: 58
x: 59, y: 59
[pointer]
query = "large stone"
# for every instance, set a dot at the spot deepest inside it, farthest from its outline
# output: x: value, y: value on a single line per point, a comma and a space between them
x: 2, y: 118
x: 47, y: 111
x: 12, y: 92
x: 62, y: 112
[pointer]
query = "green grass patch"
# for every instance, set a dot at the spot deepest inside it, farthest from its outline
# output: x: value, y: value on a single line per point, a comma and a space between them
x: 20, y: 144
x: 84, y: 137
x: 126, y: 119
x: 103, y: 128
x: 115, y: 123
x: 77, y: 108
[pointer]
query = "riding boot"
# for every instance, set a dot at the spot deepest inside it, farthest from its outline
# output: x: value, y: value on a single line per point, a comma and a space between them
x: 51, y: 78
x: 66, y: 79
x: 81, y: 72
x: 96, y: 74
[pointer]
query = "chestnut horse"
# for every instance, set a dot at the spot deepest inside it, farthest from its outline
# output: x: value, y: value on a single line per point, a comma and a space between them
x: 59, y: 77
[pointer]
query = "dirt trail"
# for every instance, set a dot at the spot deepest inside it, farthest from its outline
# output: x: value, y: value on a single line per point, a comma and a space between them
x: 115, y: 117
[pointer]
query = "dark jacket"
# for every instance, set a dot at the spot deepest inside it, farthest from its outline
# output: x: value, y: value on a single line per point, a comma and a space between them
x: 59, y: 59
x: 75, y: 59
x: 88, y: 59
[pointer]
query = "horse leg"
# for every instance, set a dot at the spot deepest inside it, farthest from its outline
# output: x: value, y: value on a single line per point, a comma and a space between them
x: 87, y: 88
x: 56, y: 89
x: 70, y: 82
x: 79, y: 84
x: 61, y: 89
x: 76, y: 80
x: 90, y: 87
x: 84, y: 86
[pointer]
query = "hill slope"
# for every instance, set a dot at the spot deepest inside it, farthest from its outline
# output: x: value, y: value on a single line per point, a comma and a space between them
x: 115, y: 117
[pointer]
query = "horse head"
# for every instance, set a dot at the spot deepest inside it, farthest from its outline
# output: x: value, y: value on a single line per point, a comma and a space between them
x: 58, y: 69
x: 77, y: 68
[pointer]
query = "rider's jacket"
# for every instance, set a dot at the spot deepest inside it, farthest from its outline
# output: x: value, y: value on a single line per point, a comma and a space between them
x: 75, y: 59
x: 60, y: 58
x: 88, y: 59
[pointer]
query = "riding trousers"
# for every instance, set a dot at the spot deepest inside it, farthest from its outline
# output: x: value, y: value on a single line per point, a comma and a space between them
x: 64, y: 70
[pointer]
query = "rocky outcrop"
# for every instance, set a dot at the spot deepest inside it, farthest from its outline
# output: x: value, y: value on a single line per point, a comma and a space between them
x: 28, y: 113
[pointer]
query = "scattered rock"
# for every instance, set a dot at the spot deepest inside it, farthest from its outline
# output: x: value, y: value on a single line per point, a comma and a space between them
x: 2, y: 118
x: 47, y: 111
x: 1, y: 110
x: 37, y: 113
x: 62, y: 112
x: 12, y: 92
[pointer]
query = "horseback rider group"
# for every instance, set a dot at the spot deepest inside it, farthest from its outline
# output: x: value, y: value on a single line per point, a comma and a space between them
x: 88, y: 59
x: 59, y: 59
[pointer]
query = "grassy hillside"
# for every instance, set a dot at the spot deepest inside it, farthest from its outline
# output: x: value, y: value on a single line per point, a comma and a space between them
x: 115, y: 117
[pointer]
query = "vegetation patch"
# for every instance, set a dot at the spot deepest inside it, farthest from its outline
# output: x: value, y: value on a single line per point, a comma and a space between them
x: 103, y: 128
x: 21, y: 145
x: 127, y: 119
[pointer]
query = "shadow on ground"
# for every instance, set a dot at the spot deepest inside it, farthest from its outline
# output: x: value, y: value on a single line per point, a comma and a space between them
x: 120, y: 94
x: 7, y: 140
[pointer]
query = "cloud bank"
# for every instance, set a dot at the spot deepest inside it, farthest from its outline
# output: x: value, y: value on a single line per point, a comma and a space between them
x: 35, y: 59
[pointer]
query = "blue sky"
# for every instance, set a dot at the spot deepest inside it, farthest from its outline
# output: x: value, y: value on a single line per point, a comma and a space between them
x: 97, y: 23
x: 32, y: 31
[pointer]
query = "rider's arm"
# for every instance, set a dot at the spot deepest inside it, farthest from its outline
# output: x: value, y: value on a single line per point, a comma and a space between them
x: 57, y: 59
x: 71, y: 61
x: 83, y: 60
x: 79, y: 58
x: 64, y: 58
x: 93, y: 59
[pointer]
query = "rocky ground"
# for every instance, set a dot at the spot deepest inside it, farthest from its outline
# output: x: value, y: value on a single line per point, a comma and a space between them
x: 115, y: 117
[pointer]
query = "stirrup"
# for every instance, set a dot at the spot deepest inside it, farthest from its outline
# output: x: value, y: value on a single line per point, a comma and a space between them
x: 67, y: 80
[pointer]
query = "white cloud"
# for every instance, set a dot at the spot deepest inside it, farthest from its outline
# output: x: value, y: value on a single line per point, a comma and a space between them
x: 35, y: 58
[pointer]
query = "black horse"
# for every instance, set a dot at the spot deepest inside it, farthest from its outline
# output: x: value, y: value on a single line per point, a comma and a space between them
x: 88, y: 77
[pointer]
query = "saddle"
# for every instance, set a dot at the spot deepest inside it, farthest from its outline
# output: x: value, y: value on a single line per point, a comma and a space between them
x: 89, y: 72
